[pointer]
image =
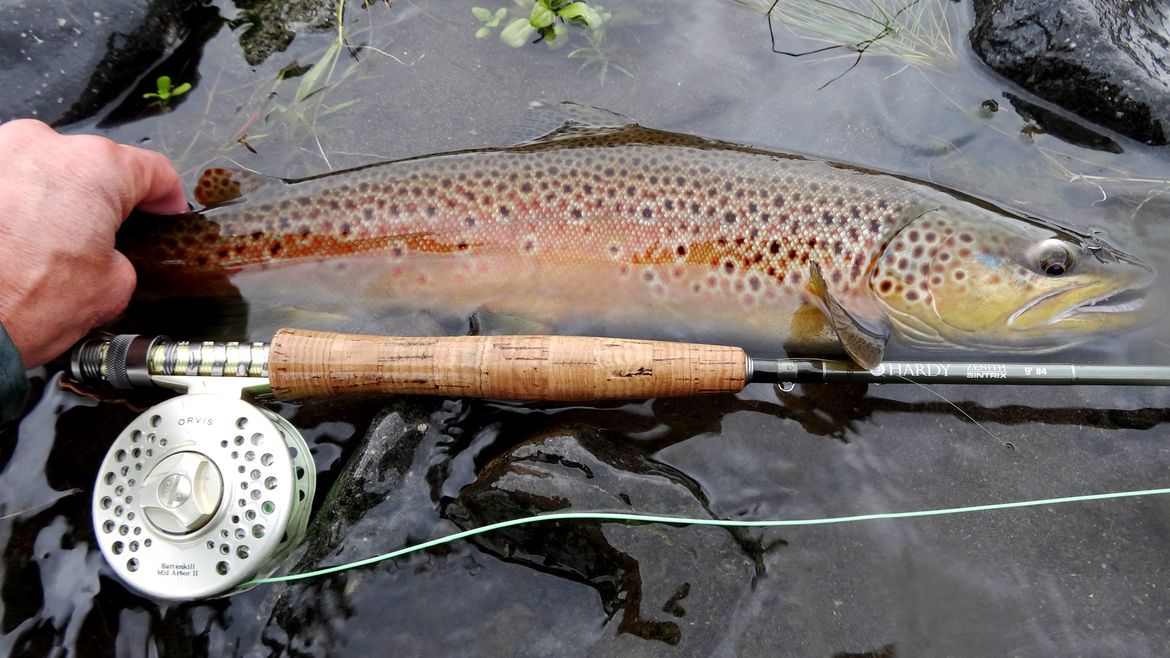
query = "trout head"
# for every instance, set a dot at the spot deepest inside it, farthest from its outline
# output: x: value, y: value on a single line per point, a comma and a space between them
x: 971, y: 278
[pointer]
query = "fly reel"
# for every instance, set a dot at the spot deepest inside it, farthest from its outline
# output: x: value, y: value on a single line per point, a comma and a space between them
x: 202, y: 493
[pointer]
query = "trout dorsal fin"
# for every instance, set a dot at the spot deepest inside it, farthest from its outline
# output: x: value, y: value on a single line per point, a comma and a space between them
x: 547, y: 123
x: 223, y: 184
x: 863, y: 338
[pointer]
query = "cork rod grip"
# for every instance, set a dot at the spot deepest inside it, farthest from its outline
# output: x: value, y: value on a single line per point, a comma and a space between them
x: 306, y: 364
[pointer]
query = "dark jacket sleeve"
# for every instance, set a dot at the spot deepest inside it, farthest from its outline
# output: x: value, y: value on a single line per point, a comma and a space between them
x: 13, y: 383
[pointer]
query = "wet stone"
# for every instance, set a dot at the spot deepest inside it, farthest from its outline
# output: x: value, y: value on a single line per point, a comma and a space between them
x: 63, y: 61
x: 656, y: 589
x: 661, y: 587
x: 267, y: 26
x: 1104, y: 60
x: 380, y: 500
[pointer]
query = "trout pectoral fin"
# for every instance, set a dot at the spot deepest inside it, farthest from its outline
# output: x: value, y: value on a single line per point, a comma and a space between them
x: 863, y: 338
x: 484, y: 322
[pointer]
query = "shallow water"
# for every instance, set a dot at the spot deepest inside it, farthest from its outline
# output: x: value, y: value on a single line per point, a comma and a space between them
x: 1078, y: 579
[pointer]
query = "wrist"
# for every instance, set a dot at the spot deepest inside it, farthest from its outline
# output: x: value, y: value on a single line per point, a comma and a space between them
x: 13, y: 383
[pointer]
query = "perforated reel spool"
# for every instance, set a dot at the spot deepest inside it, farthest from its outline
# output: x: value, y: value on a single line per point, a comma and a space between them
x: 200, y: 494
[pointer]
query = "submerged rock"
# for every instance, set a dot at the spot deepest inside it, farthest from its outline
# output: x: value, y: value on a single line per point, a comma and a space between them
x: 63, y: 61
x: 655, y: 589
x: 1105, y: 60
x: 1044, y: 120
x: 272, y: 24
x: 381, y: 499
x: 657, y: 582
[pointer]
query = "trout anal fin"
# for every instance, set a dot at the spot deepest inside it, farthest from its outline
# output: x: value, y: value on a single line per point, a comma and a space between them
x: 864, y: 341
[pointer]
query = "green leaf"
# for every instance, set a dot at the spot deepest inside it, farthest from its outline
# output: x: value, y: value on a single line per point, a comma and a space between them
x: 151, y: 94
x: 164, y: 85
x: 517, y: 33
x: 581, y: 13
x: 482, y: 14
x: 541, y: 16
x: 342, y: 106
x: 482, y: 32
x: 524, y: 3
x: 309, y: 81
x: 327, y: 110
x: 181, y: 89
x: 556, y: 36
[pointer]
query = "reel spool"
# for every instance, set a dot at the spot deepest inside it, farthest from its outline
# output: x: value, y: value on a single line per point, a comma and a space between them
x: 200, y: 494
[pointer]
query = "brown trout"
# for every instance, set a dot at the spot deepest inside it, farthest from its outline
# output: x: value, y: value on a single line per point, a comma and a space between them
x: 608, y: 227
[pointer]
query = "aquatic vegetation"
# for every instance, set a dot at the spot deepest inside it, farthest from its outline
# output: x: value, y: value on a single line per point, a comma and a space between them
x: 548, y: 21
x: 489, y: 19
x: 308, y: 102
x: 594, y: 56
x: 285, y: 109
x: 165, y: 92
x: 917, y: 32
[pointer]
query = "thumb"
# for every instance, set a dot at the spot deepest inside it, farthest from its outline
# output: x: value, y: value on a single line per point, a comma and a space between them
x: 151, y: 183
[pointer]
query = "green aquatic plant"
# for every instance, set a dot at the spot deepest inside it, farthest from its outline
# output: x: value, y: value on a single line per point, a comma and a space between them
x: 289, y: 111
x: 547, y: 20
x: 595, y: 56
x: 165, y: 92
x: 308, y: 102
x: 489, y: 19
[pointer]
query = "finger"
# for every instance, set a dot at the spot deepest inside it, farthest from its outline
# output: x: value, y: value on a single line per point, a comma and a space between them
x: 25, y: 131
x: 151, y: 183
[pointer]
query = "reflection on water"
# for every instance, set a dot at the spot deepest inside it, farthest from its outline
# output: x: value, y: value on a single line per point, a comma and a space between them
x: 1077, y: 579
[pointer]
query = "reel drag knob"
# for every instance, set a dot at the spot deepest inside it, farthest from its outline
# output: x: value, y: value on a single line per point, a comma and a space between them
x: 201, y: 494
x: 182, y: 493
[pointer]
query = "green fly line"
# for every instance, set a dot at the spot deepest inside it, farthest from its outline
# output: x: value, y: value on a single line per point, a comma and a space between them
x: 678, y: 520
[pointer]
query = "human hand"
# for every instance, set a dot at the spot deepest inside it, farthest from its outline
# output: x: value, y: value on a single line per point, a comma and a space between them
x: 62, y: 199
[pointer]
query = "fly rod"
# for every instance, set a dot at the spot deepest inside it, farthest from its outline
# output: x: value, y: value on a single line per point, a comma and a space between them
x: 205, y: 492
x: 300, y: 364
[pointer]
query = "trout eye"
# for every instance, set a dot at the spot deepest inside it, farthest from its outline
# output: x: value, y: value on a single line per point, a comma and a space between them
x: 1054, y: 258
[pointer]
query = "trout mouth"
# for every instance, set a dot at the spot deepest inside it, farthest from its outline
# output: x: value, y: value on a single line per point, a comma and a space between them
x: 1126, y: 300
x: 1101, y: 308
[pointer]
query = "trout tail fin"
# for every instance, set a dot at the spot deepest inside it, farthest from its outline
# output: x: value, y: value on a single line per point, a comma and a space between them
x: 222, y: 184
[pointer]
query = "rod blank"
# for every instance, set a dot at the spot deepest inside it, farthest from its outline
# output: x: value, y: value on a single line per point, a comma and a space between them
x: 806, y: 371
